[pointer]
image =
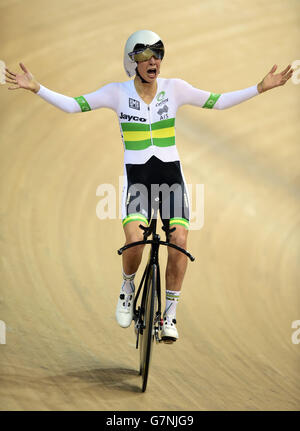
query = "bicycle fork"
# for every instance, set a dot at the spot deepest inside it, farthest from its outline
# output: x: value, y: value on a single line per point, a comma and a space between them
x: 139, y: 313
x: 158, y: 322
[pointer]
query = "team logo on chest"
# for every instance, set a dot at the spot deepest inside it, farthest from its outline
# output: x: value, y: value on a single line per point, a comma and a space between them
x: 134, y: 104
x: 163, y: 112
x: 132, y: 117
x: 161, y: 98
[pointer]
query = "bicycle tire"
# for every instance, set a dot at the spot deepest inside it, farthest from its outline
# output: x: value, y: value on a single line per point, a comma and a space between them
x: 147, y: 338
x: 145, y: 292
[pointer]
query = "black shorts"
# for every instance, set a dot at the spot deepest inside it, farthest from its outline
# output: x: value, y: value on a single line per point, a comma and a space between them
x: 155, y: 185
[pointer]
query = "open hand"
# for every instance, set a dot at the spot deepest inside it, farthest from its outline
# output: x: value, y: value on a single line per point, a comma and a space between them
x: 22, y: 80
x: 271, y: 80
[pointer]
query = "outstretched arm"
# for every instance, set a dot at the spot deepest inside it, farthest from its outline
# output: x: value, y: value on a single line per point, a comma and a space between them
x: 187, y: 94
x: 105, y: 97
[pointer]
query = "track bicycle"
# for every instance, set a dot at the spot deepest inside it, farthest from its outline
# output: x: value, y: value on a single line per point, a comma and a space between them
x: 147, y: 315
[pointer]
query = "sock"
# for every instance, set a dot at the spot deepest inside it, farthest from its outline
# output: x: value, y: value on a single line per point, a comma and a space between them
x: 172, y: 298
x: 128, y: 284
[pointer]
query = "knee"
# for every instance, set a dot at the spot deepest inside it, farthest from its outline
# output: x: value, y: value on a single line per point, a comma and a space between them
x: 180, y: 239
x: 134, y: 238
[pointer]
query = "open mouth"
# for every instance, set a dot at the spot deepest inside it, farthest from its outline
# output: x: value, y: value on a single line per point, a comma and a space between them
x: 151, y: 72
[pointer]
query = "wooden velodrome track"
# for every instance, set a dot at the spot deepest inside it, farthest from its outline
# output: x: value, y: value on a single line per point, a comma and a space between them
x: 60, y: 273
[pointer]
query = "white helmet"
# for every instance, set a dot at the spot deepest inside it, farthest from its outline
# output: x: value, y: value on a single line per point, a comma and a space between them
x: 142, y: 41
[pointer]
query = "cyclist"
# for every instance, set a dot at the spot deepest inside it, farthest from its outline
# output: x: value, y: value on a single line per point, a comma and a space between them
x: 146, y: 107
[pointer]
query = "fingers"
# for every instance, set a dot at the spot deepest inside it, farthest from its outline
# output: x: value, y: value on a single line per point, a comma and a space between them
x: 11, y: 78
x: 285, y: 77
x: 286, y: 70
x: 11, y: 73
x: 14, y: 88
x: 23, y: 68
x: 287, y: 74
x: 11, y: 82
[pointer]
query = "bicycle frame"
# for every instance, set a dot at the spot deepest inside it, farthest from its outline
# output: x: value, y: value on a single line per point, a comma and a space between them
x: 153, y: 260
x: 150, y: 320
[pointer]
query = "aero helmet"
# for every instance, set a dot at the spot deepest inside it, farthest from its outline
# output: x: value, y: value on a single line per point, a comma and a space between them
x: 140, y: 46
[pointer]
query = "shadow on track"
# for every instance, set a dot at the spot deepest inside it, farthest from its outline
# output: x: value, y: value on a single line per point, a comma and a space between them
x: 107, y: 378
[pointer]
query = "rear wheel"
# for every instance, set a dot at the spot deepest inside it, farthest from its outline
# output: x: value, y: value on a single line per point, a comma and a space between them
x: 147, y: 337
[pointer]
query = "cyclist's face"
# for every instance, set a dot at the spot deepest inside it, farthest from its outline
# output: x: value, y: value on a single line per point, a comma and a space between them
x: 149, y: 69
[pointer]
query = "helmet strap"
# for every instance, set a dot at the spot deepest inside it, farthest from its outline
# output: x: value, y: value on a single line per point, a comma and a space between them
x: 141, y: 78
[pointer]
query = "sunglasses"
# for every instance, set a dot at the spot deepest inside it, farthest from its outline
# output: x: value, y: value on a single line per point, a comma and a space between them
x: 145, y: 52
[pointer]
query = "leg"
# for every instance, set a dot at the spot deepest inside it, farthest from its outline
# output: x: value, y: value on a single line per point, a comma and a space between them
x: 175, y: 271
x: 177, y: 262
x: 131, y: 261
x: 132, y: 257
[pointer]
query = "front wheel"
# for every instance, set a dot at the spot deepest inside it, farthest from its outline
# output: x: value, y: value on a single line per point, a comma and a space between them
x: 147, y: 336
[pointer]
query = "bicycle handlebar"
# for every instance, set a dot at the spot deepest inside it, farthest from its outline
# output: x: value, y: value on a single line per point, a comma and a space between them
x: 167, y: 244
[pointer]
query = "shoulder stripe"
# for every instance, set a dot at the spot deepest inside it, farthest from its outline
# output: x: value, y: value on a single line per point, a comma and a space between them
x: 211, y: 101
x: 84, y: 106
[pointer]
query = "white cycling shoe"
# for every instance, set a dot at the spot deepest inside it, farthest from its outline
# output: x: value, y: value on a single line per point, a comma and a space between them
x: 124, y: 311
x: 169, y: 332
